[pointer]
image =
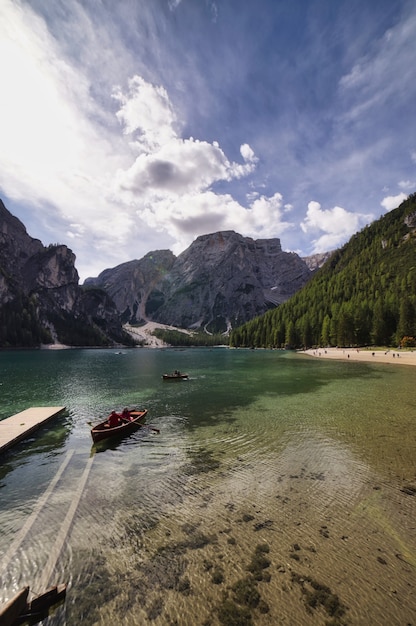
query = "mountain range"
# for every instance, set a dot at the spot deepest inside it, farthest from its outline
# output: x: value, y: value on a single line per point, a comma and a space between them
x: 221, y: 281
x: 362, y: 294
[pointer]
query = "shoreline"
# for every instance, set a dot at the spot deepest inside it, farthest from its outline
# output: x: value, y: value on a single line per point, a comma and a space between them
x: 368, y: 355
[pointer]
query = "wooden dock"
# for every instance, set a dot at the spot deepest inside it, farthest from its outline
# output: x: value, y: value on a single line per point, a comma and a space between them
x: 20, y: 426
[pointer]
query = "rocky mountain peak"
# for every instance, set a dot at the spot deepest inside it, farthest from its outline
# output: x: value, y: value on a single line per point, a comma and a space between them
x: 220, y: 281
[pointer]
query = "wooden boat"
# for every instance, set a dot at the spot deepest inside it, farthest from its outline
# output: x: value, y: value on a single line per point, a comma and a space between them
x: 14, y: 607
x: 175, y: 376
x: 126, y: 427
x: 19, y: 611
x: 49, y: 598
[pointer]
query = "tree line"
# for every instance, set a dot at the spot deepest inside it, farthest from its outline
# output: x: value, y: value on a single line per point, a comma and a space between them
x: 180, y: 339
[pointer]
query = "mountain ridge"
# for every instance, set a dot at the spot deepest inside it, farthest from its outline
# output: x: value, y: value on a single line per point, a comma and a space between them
x: 220, y: 281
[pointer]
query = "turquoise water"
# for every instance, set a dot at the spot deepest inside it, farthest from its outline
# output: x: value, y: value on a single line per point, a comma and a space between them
x: 255, y: 447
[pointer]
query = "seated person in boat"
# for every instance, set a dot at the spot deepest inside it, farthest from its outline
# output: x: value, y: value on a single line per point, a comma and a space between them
x: 114, y: 419
x: 125, y: 416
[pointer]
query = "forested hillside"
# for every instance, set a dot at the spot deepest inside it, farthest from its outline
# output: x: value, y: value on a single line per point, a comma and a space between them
x: 364, y: 295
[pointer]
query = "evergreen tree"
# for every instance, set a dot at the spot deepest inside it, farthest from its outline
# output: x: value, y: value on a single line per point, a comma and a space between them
x: 406, y: 326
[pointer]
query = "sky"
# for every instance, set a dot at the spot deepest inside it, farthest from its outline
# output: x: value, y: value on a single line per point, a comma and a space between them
x: 137, y: 125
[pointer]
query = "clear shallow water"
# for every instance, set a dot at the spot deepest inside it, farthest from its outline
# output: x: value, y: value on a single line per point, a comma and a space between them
x: 310, y: 459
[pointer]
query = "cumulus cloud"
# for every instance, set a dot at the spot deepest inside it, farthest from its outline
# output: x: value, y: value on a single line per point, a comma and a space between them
x: 190, y: 215
x: 145, y: 113
x: 333, y: 227
x: 179, y: 166
x: 392, y: 202
x: 167, y: 163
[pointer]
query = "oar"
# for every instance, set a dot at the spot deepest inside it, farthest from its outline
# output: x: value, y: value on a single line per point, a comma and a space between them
x: 156, y: 430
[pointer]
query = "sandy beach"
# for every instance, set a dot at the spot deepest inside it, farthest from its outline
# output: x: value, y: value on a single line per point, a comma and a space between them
x: 398, y: 357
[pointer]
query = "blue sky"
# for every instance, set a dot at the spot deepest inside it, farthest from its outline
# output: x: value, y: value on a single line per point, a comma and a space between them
x: 138, y: 125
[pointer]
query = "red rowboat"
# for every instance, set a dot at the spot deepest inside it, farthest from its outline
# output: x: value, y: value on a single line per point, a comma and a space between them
x: 126, y: 427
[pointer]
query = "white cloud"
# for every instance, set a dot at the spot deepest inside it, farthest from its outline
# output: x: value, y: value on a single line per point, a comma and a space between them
x: 179, y: 166
x: 265, y: 217
x: 166, y: 162
x: 146, y: 113
x: 333, y: 226
x: 50, y: 152
x: 173, y: 4
x: 190, y: 215
x: 247, y: 153
x: 392, y: 202
x: 407, y: 184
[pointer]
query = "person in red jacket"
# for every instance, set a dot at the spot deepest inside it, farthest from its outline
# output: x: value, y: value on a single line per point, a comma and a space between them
x: 114, y: 419
x: 125, y: 416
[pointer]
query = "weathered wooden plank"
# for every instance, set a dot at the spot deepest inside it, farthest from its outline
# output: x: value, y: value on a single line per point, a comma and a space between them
x: 18, y: 427
x: 13, y: 608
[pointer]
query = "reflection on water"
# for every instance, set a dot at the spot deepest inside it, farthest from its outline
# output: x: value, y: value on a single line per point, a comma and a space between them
x: 279, y: 489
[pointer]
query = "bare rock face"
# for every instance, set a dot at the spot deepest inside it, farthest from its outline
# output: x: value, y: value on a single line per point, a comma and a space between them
x: 410, y: 221
x: 315, y: 261
x: 40, y: 298
x: 130, y: 284
x: 53, y: 270
x: 27, y: 265
x: 16, y: 248
x: 219, y: 282
x: 225, y: 279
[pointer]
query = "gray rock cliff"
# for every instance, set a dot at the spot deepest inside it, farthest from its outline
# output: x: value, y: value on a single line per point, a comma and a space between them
x: 220, y: 281
x: 224, y: 279
x: 130, y: 284
x: 40, y: 298
x: 315, y: 261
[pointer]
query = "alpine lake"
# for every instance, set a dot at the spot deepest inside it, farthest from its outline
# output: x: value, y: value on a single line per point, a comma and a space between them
x: 280, y: 490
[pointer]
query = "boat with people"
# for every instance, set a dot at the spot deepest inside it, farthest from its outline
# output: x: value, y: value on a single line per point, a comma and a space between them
x: 176, y: 375
x: 119, y: 424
